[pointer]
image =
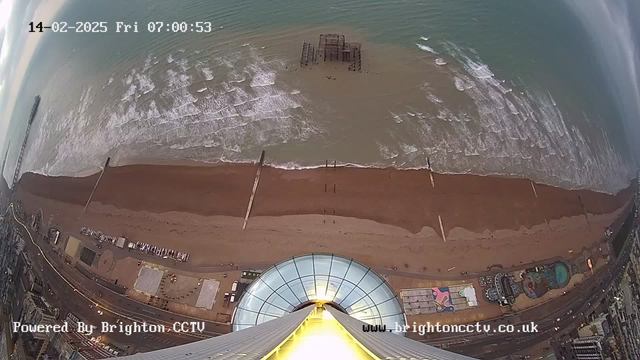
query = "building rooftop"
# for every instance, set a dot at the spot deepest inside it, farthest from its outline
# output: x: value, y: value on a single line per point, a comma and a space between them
x: 40, y: 304
x: 319, y: 278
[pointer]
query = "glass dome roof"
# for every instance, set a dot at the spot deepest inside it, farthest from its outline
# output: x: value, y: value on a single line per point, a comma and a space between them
x: 290, y: 284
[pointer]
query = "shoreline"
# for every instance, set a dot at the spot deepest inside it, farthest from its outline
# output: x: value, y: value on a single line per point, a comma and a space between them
x: 403, y: 198
x: 402, y: 109
x: 216, y: 240
x: 198, y: 163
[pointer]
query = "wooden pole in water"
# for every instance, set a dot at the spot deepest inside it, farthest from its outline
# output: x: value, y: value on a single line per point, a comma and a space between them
x: 106, y: 164
x: 253, y: 192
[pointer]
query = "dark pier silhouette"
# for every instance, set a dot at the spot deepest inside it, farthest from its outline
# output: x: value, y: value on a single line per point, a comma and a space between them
x: 32, y: 115
x: 332, y: 47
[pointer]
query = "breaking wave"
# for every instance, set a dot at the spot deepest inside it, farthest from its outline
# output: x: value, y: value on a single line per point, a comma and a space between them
x: 503, y: 133
x: 222, y: 109
x: 175, y: 120
x: 426, y: 48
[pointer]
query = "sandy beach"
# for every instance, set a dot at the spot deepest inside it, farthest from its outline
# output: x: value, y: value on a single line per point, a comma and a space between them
x: 403, y: 198
x: 385, y: 218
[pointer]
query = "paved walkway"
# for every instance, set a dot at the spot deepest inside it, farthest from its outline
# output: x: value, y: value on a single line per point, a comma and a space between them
x: 119, y: 254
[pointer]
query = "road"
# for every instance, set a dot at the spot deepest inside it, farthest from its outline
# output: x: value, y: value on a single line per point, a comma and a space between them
x: 565, y: 313
x: 84, y: 297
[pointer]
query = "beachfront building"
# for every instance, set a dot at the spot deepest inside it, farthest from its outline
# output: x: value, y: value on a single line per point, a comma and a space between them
x: 313, y: 306
x: 35, y: 312
x: 588, y: 348
x: 291, y: 285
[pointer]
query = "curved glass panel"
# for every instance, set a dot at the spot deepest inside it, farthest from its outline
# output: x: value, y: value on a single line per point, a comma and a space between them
x: 356, y: 288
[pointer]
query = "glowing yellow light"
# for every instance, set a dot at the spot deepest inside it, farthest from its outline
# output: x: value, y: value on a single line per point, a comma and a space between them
x: 327, y: 316
x: 320, y: 338
x: 323, y: 293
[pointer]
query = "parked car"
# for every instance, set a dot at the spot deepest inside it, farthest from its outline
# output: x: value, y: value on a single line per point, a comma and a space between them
x: 55, y: 235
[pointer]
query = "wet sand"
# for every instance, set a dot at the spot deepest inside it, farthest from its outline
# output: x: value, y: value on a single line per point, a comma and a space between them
x: 384, y: 218
x: 402, y: 198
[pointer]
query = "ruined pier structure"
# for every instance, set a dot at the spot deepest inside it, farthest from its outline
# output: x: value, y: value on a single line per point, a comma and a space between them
x: 332, y: 47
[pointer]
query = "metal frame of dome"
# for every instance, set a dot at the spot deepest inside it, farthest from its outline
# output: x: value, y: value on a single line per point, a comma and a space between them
x: 325, y: 278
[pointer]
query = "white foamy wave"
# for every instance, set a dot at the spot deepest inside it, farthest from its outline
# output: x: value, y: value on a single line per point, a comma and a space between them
x: 128, y: 95
x: 396, y: 117
x: 201, y: 90
x: 169, y: 58
x: 440, y: 62
x: 485, y: 128
x: 408, y: 149
x: 509, y: 133
x: 207, y: 73
x: 127, y: 80
x: 145, y: 83
x: 459, y: 84
x: 292, y: 165
x: 183, y: 64
x: 426, y: 48
x: 236, y: 76
x: 45, y: 154
x: 233, y: 124
x: 262, y: 77
x: 462, y: 82
x: 147, y: 63
x: 552, y: 100
x: 386, y: 153
x: 424, y: 38
x: 434, y: 99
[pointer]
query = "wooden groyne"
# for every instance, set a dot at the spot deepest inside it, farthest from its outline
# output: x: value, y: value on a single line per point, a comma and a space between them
x: 106, y: 164
x: 253, y: 192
